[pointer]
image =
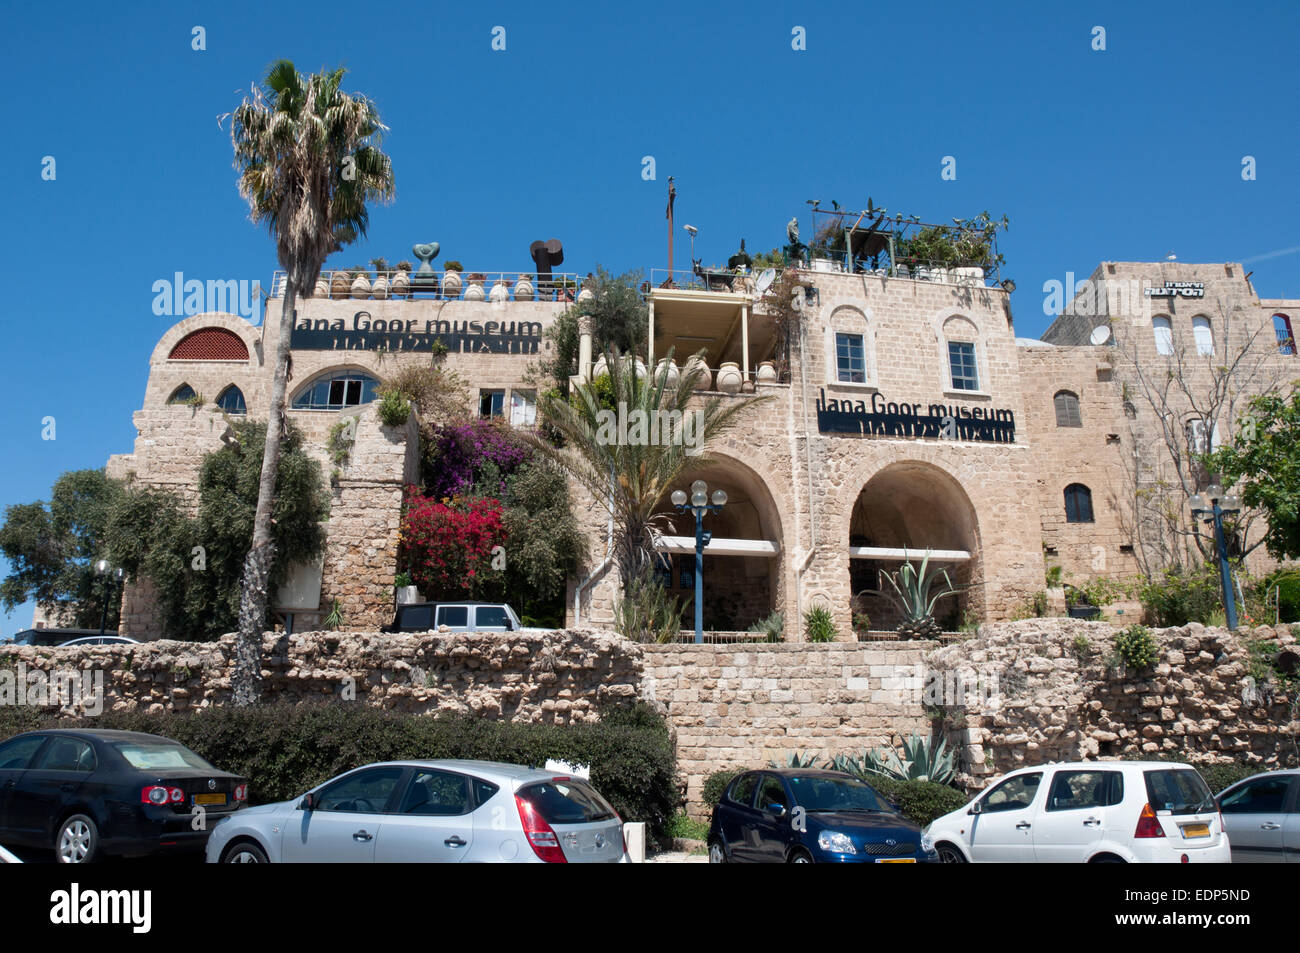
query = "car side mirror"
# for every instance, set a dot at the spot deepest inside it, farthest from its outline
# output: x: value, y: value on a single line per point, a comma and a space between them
x: 308, y: 802
x: 776, y: 810
x: 976, y: 808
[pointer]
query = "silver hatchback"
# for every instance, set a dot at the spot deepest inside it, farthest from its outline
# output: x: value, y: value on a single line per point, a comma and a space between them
x: 429, y: 812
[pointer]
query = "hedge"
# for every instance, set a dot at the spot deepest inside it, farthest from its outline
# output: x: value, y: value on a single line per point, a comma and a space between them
x: 286, y: 749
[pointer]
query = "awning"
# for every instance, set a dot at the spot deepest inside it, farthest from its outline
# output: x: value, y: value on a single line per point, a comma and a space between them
x: 916, y: 555
x: 719, y: 546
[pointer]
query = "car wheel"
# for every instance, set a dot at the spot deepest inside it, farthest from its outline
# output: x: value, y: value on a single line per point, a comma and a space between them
x: 245, y: 852
x: 801, y: 857
x: 717, y: 854
x: 77, y: 840
x: 949, y: 854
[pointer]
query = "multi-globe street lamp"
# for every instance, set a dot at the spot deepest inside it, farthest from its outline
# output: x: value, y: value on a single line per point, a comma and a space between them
x: 112, y: 576
x: 699, y: 505
x: 1211, y: 508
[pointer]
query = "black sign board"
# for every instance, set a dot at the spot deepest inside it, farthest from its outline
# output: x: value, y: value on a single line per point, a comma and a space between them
x: 877, y: 417
x: 364, y: 333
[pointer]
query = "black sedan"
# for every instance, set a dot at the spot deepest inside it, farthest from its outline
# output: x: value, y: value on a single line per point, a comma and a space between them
x: 798, y: 816
x: 87, y: 793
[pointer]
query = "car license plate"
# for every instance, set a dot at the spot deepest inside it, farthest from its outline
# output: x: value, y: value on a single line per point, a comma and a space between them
x: 1196, y: 830
x: 897, y: 860
x: 210, y: 799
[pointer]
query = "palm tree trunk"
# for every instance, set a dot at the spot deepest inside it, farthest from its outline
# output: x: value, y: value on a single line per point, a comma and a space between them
x: 246, y: 677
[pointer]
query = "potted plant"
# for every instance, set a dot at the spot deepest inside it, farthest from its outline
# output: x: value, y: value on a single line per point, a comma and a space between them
x: 406, y: 592
x: 451, y: 282
x: 1078, y: 606
x: 475, y: 290
x: 340, y: 283
x: 524, y: 290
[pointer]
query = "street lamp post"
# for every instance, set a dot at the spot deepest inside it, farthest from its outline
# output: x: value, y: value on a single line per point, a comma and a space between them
x: 112, y: 575
x: 699, y: 505
x: 1219, y: 503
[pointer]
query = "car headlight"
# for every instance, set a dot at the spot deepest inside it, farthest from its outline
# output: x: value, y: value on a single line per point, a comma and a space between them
x: 927, y: 841
x: 836, y: 843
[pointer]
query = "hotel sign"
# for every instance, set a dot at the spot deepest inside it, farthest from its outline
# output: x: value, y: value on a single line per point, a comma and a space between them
x: 364, y: 333
x: 880, y: 418
x: 1174, y: 289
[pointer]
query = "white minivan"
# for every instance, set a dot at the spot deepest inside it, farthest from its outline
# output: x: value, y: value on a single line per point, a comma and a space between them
x: 1087, y: 812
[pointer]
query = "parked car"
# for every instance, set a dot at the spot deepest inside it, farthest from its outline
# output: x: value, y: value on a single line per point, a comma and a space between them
x: 52, y: 637
x: 456, y: 616
x: 443, y: 812
x: 100, y: 640
x: 86, y: 793
x: 1088, y: 812
x: 6, y: 857
x: 1262, y: 818
x: 798, y: 816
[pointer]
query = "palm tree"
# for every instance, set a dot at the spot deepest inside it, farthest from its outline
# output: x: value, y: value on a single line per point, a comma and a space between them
x: 308, y: 160
x: 632, y: 476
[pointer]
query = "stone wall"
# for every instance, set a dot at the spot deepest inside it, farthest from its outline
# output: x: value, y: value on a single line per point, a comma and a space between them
x: 1061, y: 698
x: 740, y: 706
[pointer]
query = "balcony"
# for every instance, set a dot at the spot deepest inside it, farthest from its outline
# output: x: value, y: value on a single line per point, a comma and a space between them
x: 494, y: 286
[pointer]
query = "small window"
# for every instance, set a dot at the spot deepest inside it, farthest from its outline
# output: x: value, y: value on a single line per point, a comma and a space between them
x: 1178, y: 791
x: 1078, y: 504
x: 1260, y: 796
x: 1067, y: 410
x: 742, y: 790
x: 961, y: 363
x: 1204, y: 335
x: 181, y: 395
x: 366, y: 792
x: 523, y: 408
x: 1164, y: 332
x: 454, y: 616
x: 1013, y: 794
x: 483, y: 791
x: 66, y: 754
x: 491, y: 617
x: 1285, y: 335
x: 491, y: 403
x: 850, y: 359
x: 1072, y: 790
x: 437, y: 794
x: 231, y: 400
x: 337, y: 391
x: 15, y: 755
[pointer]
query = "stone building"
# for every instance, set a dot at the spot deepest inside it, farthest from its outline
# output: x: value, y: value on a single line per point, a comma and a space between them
x: 907, y: 418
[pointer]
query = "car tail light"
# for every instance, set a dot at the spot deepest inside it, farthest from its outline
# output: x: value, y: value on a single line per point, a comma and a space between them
x: 241, y: 792
x: 1148, y: 824
x: 160, y: 794
x: 540, y: 836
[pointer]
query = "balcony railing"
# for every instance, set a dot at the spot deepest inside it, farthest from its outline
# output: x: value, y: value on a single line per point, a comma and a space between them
x: 440, y: 285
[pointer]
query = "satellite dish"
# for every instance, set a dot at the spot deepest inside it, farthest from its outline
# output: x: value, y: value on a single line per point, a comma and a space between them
x: 764, y: 281
x: 1100, y: 334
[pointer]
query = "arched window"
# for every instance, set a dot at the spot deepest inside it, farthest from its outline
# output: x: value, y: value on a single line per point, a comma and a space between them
x: 1204, y: 335
x: 231, y: 400
x: 337, y: 390
x: 1078, y: 504
x: 181, y: 395
x: 210, y: 344
x: 1285, y: 334
x: 1164, y: 332
x: 1067, y: 409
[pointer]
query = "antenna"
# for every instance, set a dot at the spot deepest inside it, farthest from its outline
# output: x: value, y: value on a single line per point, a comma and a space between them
x: 1100, y: 334
x: 764, y: 281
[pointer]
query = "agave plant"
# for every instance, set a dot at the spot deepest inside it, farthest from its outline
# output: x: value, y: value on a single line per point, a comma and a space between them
x: 912, y: 593
x: 798, y: 759
x: 917, y: 758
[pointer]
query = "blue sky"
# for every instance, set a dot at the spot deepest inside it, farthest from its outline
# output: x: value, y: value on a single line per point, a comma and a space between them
x: 1124, y: 154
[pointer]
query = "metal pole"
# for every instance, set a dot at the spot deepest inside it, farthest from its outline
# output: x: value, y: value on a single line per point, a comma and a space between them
x: 1225, y: 573
x: 103, y: 616
x: 699, y: 575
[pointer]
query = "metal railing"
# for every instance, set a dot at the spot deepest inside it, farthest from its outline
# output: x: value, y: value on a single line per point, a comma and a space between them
x: 703, y: 279
x: 342, y: 284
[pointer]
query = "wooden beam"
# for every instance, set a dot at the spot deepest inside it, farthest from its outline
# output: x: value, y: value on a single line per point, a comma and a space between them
x: 916, y: 555
x: 719, y: 546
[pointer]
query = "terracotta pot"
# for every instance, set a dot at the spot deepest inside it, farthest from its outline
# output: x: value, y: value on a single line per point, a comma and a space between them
x: 524, y: 289
x: 586, y: 294
x: 361, y: 287
x: 500, y: 291
x: 380, y: 288
x: 401, y: 285
x: 340, y: 284
x: 705, y: 380
x: 475, y: 291
x: 730, y: 378
x: 451, y: 284
x: 322, y: 289
x: 767, y: 373
x: 667, y: 368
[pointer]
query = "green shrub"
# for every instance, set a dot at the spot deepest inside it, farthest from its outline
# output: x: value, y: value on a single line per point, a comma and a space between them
x: 1136, y: 647
x: 1287, y: 582
x: 920, y: 801
x: 1040, y: 603
x: 1181, y: 596
x: 818, y: 624
x: 394, y: 410
x: 771, y: 628
x: 715, y: 785
x: 285, y: 750
x: 680, y: 825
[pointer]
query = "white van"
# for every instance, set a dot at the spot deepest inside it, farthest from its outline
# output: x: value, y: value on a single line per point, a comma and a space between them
x: 1087, y: 812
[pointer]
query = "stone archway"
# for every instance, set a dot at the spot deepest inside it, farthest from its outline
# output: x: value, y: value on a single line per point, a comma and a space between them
x: 745, y: 561
x: 905, y: 510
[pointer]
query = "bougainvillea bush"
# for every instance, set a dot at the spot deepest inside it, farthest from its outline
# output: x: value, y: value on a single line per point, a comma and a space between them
x: 447, y: 542
x: 458, y: 454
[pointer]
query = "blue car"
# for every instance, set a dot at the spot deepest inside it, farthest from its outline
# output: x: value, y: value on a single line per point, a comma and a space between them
x: 802, y: 816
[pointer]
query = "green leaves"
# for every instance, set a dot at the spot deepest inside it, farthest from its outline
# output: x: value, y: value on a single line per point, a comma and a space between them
x: 912, y: 589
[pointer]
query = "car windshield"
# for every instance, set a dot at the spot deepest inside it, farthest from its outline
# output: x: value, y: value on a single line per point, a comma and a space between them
x: 814, y: 793
x: 1178, y: 791
x: 159, y: 755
